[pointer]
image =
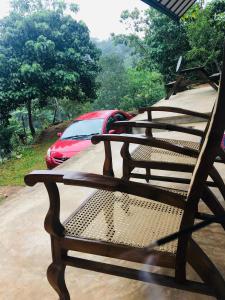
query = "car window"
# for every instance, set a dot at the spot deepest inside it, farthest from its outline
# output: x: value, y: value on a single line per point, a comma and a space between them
x: 83, y: 129
x: 115, y: 118
x: 120, y: 117
x: 109, y: 123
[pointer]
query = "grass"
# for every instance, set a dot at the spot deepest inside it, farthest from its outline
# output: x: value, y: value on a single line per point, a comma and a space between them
x: 33, y: 157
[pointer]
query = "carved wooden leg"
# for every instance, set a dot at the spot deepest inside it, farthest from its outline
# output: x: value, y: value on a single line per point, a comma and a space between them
x: 55, y: 275
x: 181, y: 259
x: 180, y: 272
x: 56, y: 271
x: 206, y: 269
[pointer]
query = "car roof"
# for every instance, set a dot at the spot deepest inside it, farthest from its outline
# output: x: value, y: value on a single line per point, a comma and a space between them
x: 100, y: 114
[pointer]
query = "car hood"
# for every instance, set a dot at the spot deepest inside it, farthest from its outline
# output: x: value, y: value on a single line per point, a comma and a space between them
x: 67, y: 148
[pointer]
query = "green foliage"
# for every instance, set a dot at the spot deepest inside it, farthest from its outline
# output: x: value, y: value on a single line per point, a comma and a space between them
x: 113, y: 80
x: 144, y: 88
x: 5, y: 141
x: 32, y: 158
x: 157, y: 39
x: 166, y: 41
x: 28, y: 6
x: 45, y: 55
x: 70, y: 110
x: 110, y: 48
x: 206, y: 34
x: 124, y: 88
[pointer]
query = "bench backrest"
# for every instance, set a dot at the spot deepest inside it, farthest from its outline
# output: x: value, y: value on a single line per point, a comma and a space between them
x: 212, y: 142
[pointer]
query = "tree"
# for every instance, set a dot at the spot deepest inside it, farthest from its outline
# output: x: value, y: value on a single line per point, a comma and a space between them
x: 45, y: 55
x: 109, y: 48
x: 157, y: 39
x: 5, y: 137
x: 113, y: 82
x: 160, y: 41
x: 144, y: 89
x: 206, y: 34
x: 126, y: 88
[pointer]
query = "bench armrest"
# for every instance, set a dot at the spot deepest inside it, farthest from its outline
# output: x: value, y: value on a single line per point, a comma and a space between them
x: 174, y: 110
x: 144, y: 140
x: 44, y: 176
x: 156, y: 125
x: 107, y: 183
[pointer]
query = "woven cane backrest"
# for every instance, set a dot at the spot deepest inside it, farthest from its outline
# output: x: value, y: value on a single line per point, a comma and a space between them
x: 211, y: 144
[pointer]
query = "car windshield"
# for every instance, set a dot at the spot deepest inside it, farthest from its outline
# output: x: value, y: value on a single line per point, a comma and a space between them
x: 83, y: 129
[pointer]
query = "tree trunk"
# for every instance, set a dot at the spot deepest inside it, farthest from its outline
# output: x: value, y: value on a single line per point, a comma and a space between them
x: 54, y: 117
x: 30, y: 121
x: 24, y: 127
x: 218, y: 65
x: 55, y: 111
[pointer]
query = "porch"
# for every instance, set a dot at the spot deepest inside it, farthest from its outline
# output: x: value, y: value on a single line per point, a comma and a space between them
x: 25, y: 246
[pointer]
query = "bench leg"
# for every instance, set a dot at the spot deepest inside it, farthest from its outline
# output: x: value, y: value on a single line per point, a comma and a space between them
x: 206, y: 269
x: 56, y: 272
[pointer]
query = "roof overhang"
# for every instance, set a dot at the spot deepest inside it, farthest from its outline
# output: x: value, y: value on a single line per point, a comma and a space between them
x: 175, y: 9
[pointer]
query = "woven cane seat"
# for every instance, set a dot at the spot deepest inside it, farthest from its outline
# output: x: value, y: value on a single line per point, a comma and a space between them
x: 148, y: 153
x: 120, y: 218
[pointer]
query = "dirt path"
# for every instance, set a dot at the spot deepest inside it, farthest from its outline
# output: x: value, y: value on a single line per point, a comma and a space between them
x: 52, y: 131
x: 7, y: 191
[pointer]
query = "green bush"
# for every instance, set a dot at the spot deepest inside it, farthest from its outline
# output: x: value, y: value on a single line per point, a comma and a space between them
x: 5, y: 141
x: 144, y: 88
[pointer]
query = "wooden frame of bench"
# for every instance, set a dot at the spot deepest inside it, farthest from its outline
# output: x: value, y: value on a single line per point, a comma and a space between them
x: 181, y: 78
x: 187, y: 249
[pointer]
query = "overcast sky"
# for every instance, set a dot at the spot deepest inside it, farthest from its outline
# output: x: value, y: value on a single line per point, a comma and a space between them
x: 101, y: 16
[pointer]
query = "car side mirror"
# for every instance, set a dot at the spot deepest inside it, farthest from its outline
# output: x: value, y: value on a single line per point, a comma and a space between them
x: 112, y: 131
x: 59, y: 134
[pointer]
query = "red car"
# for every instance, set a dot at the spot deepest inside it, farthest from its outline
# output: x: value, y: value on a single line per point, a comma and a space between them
x: 77, y: 136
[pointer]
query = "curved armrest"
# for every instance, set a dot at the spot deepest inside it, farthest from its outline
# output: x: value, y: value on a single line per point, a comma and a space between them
x: 85, y: 179
x: 144, y: 140
x: 107, y: 183
x: 116, y: 184
x: 44, y: 176
x: 157, y: 125
x: 174, y: 110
